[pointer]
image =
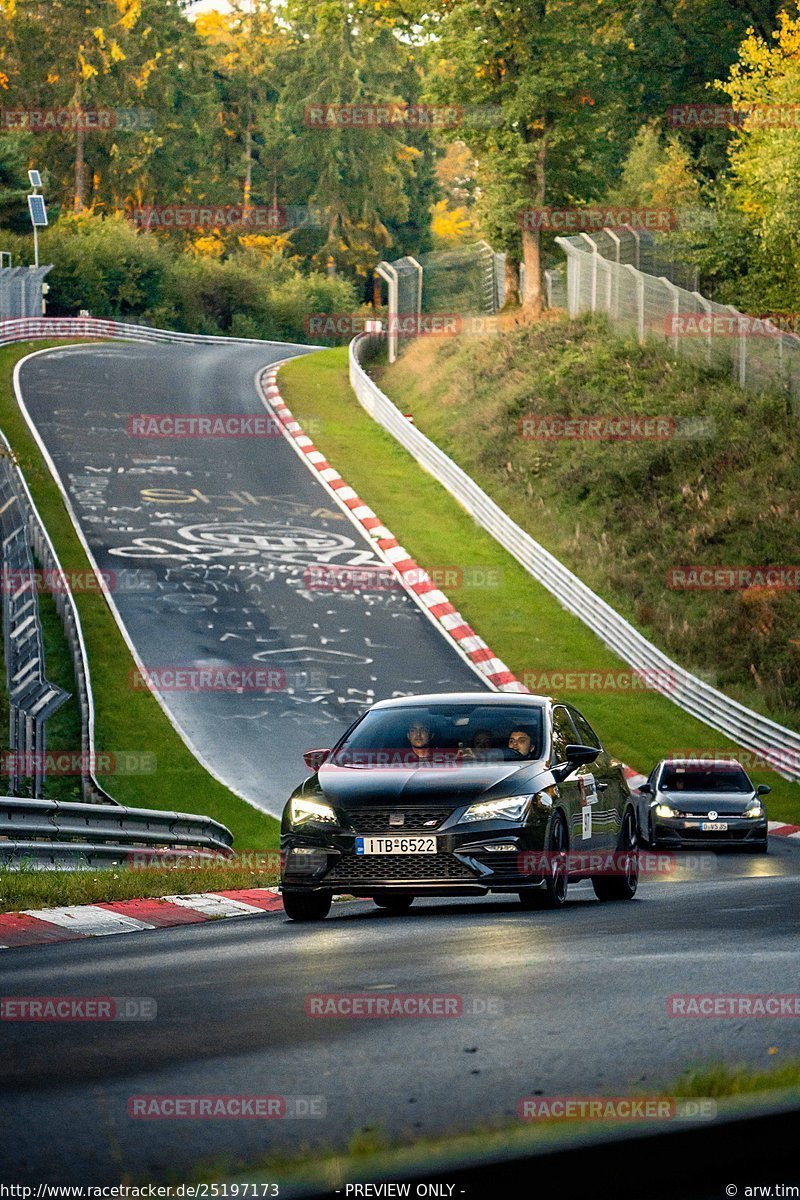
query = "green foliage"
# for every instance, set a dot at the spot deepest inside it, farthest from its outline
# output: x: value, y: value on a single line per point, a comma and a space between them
x: 115, y: 271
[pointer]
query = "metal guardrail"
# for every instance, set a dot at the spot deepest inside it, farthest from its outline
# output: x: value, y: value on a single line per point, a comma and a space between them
x: 32, y: 699
x: 46, y: 831
x: 29, y: 329
x: 779, y: 746
x: 39, y: 539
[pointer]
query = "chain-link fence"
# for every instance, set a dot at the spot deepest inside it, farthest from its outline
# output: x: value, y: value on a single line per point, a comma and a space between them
x: 466, y: 281
x: 755, y: 350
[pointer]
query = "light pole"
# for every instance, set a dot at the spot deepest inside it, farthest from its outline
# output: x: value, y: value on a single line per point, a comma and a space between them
x: 37, y: 210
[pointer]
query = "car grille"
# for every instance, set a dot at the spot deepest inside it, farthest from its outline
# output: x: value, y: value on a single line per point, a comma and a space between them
x: 701, y: 835
x: 387, y: 867
x: 376, y: 820
x: 721, y: 815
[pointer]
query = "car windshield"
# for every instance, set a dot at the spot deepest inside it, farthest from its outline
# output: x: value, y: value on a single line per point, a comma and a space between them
x: 678, y: 778
x: 443, y: 735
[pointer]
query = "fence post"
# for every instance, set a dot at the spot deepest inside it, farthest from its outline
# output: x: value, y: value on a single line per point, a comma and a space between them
x: 676, y: 308
x: 637, y: 241
x: 595, y: 255
x: 706, y: 306
x: 389, y: 274
x: 740, y: 362
x: 638, y: 279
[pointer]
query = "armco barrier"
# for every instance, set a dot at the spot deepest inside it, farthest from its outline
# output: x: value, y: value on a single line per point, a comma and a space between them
x: 742, y: 725
x: 31, y: 329
x: 45, y: 831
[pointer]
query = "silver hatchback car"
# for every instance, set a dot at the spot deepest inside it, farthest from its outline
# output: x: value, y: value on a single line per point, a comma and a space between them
x: 693, y: 802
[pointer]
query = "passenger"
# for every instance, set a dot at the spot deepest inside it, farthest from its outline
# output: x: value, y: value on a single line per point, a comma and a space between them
x: 482, y: 749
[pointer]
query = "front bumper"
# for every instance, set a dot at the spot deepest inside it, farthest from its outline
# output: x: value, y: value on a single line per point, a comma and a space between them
x: 462, y: 865
x: 688, y: 831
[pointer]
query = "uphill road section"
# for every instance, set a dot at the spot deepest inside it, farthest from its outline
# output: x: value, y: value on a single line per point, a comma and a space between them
x: 224, y: 557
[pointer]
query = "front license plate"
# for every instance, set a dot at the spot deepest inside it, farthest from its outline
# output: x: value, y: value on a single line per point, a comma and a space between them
x: 396, y: 845
x: 714, y: 826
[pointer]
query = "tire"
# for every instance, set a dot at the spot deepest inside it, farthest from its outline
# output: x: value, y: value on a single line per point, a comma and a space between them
x: 762, y: 848
x: 554, y: 893
x: 307, y: 906
x: 395, y: 903
x: 621, y: 887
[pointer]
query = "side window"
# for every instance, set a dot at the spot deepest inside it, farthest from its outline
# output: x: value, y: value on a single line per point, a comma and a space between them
x: 586, y: 735
x: 564, y: 732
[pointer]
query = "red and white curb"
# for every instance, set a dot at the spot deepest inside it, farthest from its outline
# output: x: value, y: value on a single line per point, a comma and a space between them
x: 412, y: 576
x: 76, y: 921
x: 778, y: 829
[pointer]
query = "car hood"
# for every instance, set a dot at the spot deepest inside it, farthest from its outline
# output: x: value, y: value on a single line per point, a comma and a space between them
x: 359, y: 787
x: 703, y: 802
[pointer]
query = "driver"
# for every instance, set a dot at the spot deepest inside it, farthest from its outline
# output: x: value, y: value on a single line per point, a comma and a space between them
x: 521, y: 742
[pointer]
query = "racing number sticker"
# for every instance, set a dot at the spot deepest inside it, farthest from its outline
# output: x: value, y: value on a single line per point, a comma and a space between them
x: 588, y: 793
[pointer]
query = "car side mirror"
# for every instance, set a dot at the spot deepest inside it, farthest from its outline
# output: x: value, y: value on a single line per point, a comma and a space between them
x: 763, y: 789
x: 574, y: 756
x: 578, y: 756
x: 645, y: 789
x: 315, y: 758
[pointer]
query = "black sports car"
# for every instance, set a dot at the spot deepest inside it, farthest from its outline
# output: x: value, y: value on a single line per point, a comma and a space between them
x: 693, y: 802
x: 459, y: 794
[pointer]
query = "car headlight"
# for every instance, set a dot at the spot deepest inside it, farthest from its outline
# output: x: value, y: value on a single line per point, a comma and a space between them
x: 303, y: 809
x: 754, y: 810
x: 666, y: 810
x: 508, y: 808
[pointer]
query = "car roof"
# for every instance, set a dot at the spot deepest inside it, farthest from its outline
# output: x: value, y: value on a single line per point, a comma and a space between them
x: 495, y: 698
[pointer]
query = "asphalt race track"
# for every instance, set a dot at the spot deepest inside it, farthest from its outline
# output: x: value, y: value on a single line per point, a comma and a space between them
x: 218, y: 536
x: 581, y: 996
x: 572, y: 1003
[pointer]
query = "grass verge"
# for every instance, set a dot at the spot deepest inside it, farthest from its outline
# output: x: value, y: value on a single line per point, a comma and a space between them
x: 23, y: 889
x: 519, y: 619
x: 125, y: 719
x: 372, y: 1154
